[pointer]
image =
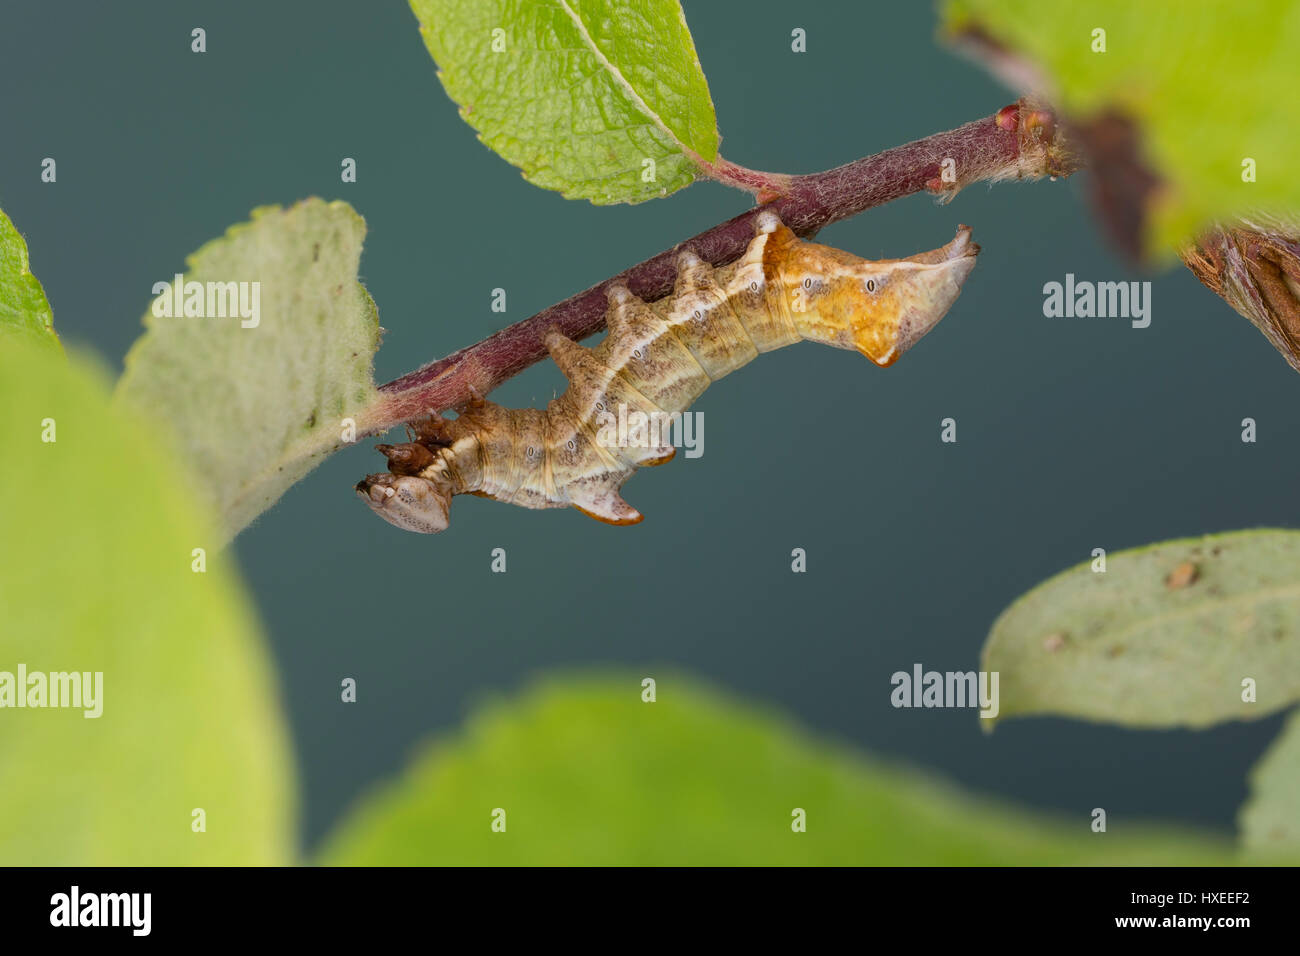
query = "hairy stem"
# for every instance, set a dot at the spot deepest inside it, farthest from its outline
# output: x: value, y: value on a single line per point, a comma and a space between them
x: 1021, y: 141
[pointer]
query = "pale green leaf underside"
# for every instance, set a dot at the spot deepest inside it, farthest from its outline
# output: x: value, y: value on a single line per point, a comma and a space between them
x: 589, y: 774
x: 583, y: 93
x: 25, y: 315
x: 1209, y: 85
x: 1270, y: 819
x: 96, y: 575
x: 1124, y: 647
x: 254, y: 409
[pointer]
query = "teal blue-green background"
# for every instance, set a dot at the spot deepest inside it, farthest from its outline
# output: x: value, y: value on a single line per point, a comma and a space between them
x: 1073, y: 434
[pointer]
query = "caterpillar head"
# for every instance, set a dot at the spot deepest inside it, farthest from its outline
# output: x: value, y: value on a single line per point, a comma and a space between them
x: 882, y: 307
x: 407, y: 501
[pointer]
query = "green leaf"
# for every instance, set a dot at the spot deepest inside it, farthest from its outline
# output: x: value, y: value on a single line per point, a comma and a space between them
x: 579, y: 94
x: 256, y: 403
x: 25, y: 314
x: 1208, y: 87
x: 96, y: 576
x: 589, y: 774
x: 1270, y: 819
x: 1164, y: 637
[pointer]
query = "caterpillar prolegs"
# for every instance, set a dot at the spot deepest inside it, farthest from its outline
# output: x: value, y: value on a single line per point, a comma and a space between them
x: 657, y: 359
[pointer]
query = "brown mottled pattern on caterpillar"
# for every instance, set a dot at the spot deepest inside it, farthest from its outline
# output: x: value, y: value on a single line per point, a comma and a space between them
x: 657, y: 359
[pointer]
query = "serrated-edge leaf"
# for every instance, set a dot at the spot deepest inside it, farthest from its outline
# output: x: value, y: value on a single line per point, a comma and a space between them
x: 248, y: 439
x: 567, y: 157
x: 25, y: 312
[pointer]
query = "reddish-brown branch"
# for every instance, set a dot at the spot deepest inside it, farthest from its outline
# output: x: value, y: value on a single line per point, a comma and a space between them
x: 1018, y: 142
x: 764, y: 186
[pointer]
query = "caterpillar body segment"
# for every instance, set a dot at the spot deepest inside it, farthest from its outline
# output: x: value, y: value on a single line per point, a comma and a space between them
x: 657, y: 359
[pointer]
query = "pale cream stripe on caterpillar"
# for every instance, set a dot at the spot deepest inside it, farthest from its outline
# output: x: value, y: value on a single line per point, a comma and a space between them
x: 657, y: 359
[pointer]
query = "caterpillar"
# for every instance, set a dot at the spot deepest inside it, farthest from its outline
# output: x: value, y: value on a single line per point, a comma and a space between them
x: 657, y: 359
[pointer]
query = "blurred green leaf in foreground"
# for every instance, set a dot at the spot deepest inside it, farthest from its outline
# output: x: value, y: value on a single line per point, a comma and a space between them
x: 1207, y: 91
x: 1270, y: 820
x: 582, y: 771
x: 101, y: 574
